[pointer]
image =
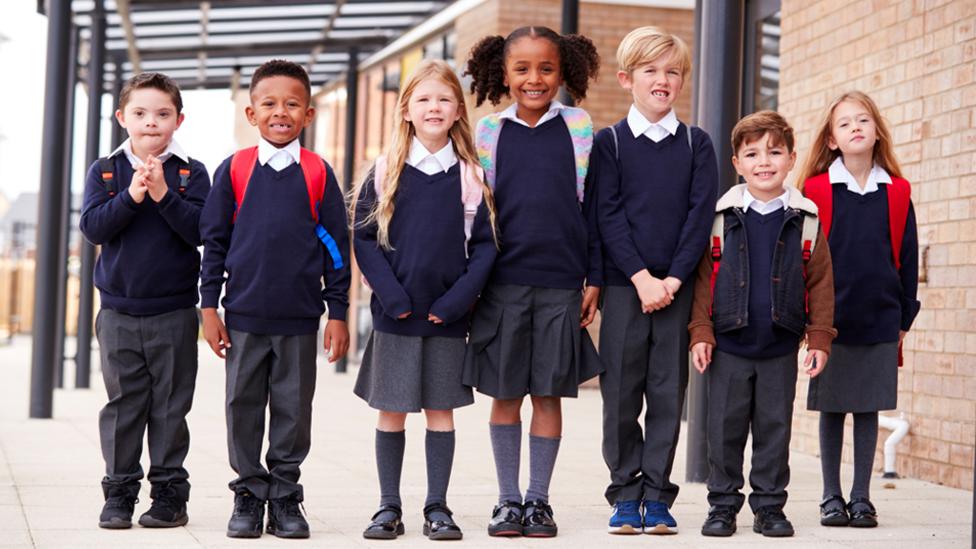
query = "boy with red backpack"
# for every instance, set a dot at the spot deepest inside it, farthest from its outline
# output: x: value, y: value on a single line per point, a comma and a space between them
x: 275, y: 222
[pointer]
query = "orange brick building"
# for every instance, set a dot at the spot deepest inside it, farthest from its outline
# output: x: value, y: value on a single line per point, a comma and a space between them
x: 917, y: 59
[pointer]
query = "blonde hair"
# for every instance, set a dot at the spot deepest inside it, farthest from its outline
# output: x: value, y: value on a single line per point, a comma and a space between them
x: 403, y: 133
x: 645, y: 44
x: 821, y: 157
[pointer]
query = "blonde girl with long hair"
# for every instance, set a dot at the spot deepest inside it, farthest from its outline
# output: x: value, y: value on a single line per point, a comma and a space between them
x: 424, y: 240
x: 866, y: 212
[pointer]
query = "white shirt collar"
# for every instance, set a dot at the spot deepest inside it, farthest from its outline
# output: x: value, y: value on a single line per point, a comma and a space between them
x: 421, y: 158
x: 640, y: 125
x: 173, y: 149
x: 839, y: 173
x: 511, y: 113
x: 781, y: 202
x: 267, y: 151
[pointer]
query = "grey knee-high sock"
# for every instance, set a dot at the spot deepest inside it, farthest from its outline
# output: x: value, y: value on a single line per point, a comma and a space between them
x: 440, y: 459
x: 389, y: 464
x: 506, y: 445
x: 831, y: 444
x: 865, y: 443
x: 542, y: 461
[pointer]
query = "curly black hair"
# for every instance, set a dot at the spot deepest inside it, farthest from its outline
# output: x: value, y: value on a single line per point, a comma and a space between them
x: 578, y: 62
x: 281, y: 67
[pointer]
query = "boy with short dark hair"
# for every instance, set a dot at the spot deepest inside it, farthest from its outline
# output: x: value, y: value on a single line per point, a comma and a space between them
x: 142, y: 205
x: 657, y: 181
x: 765, y: 285
x: 275, y: 222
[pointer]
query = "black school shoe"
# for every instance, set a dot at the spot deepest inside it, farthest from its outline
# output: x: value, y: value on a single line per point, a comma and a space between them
x: 537, y: 521
x: 440, y: 529
x: 506, y: 520
x: 833, y: 512
x: 168, y: 509
x: 385, y: 529
x: 117, y: 511
x: 720, y: 521
x: 247, y: 520
x: 285, y: 518
x: 863, y: 514
x: 772, y: 523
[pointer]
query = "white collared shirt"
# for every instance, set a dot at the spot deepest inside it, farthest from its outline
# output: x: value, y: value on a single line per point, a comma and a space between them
x: 428, y: 162
x: 655, y: 131
x: 781, y: 202
x: 279, y: 159
x: 839, y: 173
x: 173, y: 149
x: 511, y: 113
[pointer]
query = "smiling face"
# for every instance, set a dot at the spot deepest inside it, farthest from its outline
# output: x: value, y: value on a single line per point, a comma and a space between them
x: 764, y: 166
x: 280, y: 109
x: 654, y: 85
x: 149, y: 116
x: 852, y: 129
x: 533, y: 76
x: 433, y: 110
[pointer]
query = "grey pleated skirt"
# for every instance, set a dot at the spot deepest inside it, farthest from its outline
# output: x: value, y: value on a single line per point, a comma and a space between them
x: 858, y: 378
x: 409, y: 373
x: 527, y: 340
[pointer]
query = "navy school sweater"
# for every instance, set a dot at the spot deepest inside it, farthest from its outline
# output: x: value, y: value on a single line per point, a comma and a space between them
x: 656, y: 202
x: 426, y: 271
x: 761, y: 338
x: 873, y: 300
x: 149, y: 262
x: 547, y: 239
x: 273, y: 260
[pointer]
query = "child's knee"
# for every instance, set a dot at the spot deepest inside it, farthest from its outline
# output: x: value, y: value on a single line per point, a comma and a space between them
x: 546, y: 406
x: 391, y: 421
x: 506, y: 411
x: 440, y: 420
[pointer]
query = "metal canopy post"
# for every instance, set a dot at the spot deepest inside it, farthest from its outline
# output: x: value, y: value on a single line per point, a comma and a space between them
x: 50, y: 203
x: 349, y: 157
x: 570, y: 25
x: 64, y: 237
x: 717, y: 87
x: 86, y: 300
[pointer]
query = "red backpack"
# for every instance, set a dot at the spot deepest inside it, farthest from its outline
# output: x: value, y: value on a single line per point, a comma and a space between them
x: 818, y: 188
x: 242, y: 167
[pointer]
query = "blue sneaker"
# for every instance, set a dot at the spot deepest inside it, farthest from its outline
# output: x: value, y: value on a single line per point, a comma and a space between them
x: 626, y: 518
x: 657, y: 519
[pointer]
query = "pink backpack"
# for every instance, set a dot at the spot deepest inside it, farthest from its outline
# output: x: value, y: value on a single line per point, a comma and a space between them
x: 471, y: 190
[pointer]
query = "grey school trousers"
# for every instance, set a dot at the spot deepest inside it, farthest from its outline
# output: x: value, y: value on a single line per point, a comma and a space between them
x: 149, y: 364
x: 646, y: 359
x: 744, y: 393
x: 275, y: 372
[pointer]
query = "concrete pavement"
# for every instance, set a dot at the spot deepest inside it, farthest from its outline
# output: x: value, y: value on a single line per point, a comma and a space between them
x: 50, y: 471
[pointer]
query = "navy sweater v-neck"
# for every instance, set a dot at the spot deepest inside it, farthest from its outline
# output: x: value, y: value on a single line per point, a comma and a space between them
x: 149, y: 263
x: 274, y: 262
x: 426, y: 271
x: 656, y: 201
x: 873, y: 299
x: 545, y: 239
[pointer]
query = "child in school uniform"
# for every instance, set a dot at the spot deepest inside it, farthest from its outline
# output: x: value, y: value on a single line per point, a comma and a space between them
x: 425, y: 243
x: 275, y: 222
x: 764, y: 286
x: 142, y: 205
x: 867, y: 214
x: 527, y: 335
x: 657, y: 182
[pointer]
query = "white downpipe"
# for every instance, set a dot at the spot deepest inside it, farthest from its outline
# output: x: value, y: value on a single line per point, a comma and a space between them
x: 899, y: 428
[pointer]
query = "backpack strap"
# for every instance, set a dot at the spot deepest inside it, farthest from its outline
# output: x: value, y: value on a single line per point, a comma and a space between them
x: 106, y: 166
x: 808, y: 238
x: 486, y: 141
x: 899, y: 199
x: 818, y: 189
x: 184, y: 171
x: 241, y: 167
x: 581, y: 132
x: 718, y: 245
x: 313, y: 168
x: 616, y: 142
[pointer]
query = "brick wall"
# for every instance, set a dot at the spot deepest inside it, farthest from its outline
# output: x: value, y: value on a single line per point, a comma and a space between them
x: 916, y: 59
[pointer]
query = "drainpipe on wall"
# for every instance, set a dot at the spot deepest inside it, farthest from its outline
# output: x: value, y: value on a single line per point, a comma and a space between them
x: 899, y: 428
